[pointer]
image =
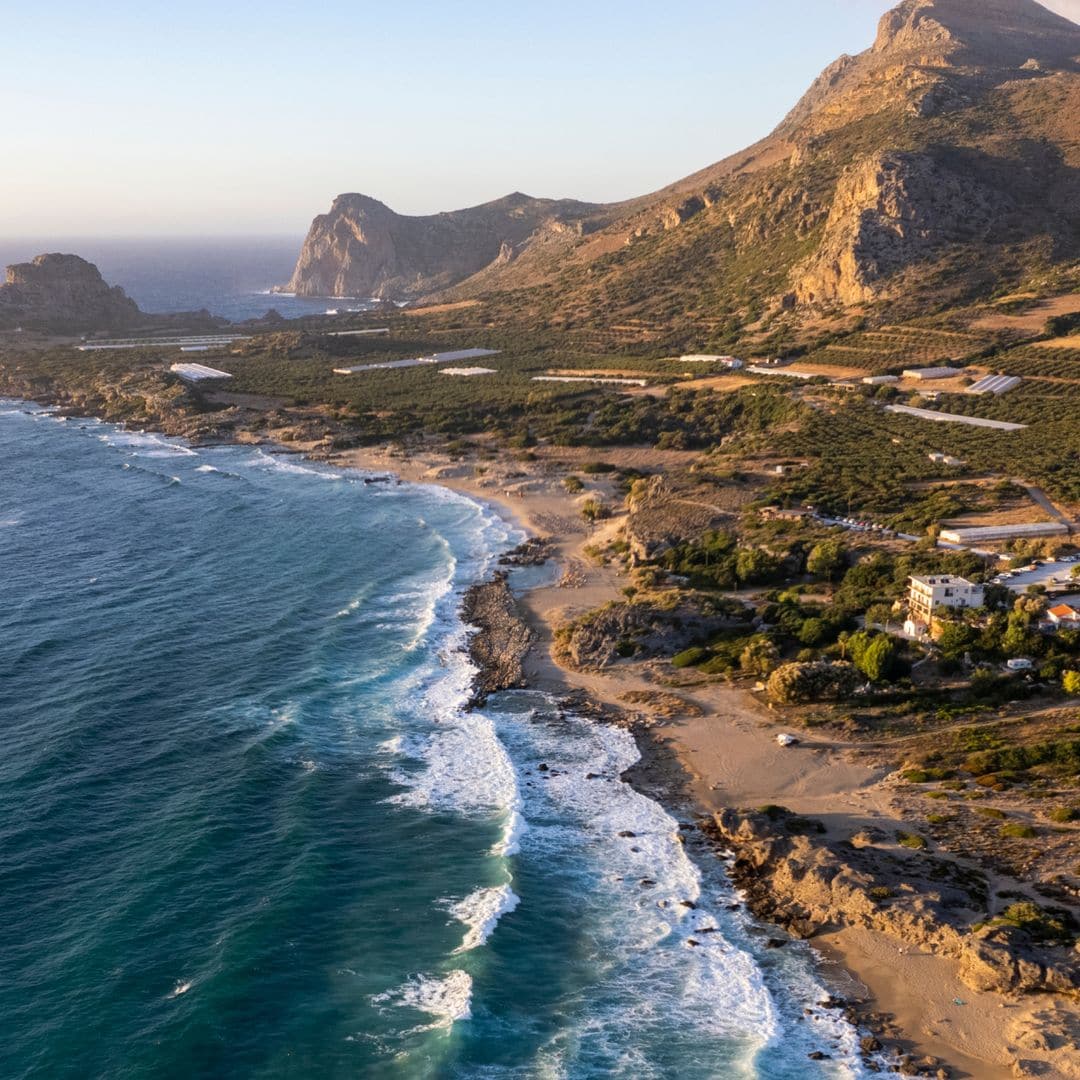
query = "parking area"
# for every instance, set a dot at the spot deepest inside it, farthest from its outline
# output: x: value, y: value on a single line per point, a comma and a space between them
x: 1044, y: 573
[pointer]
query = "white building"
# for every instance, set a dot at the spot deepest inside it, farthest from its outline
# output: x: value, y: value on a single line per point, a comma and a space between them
x: 927, y: 594
x: 1062, y: 617
x: 987, y: 533
x: 710, y: 358
x: 922, y: 374
x: 198, y: 372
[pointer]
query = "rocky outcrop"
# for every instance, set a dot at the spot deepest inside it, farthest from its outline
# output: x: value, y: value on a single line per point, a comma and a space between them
x: 363, y: 248
x: 63, y: 292
x: 795, y: 877
x: 642, y: 629
x: 889, y: 211
x: 998, y: 32
x: 502, y: 637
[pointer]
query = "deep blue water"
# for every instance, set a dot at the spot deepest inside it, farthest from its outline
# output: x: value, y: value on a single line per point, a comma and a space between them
x: 229, y: 276
x: 248, y: 828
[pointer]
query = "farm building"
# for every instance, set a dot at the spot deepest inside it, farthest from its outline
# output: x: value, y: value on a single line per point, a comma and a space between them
x: 954, y: 418
x: 881, y: 380
x: 418, y: 361
x: 926, y: 373
x: 790, y: 373
x: 995, y: 384
x: 198, y: 372
x: 984, y: 533
x: 708, y: 358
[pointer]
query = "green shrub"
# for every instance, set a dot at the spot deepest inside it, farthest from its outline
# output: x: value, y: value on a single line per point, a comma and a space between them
x: 927, y: 775
x: 991, y: 812
x: 690, y: 657
x: 1064, y: 814
x: 1018, y: 831
x: 718, y: 665
x: 912, y: 840
x: 791, y: 684
x: 1042, y: 925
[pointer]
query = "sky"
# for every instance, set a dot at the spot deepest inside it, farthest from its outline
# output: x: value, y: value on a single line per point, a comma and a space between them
x: 239, y: 118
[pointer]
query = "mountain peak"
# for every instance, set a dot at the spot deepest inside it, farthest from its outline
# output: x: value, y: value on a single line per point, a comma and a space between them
x: 1005, y: 32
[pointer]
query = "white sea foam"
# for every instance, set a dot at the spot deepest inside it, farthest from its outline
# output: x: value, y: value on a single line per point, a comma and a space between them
x: 480, y: 912
x: 278, y: 463
x: 206, y: 468
x: 448, y: 998
x: 348, y: 609
x: 147, y: 444
x: 670, y: 956
x: 180, y: 988
x: 464, y: 766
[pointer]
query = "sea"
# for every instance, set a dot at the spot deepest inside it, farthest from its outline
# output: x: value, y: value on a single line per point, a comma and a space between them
x: 228, y: 276
x: 249, y: 826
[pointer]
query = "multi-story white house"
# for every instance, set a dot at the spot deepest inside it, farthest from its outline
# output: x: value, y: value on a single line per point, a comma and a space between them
x: 927, y: 594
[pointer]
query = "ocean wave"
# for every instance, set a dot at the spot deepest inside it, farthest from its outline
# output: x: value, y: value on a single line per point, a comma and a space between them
x: 464, y: 767
x: 448, y: 998
x: 481, y: 911
x: 349, y: 608
x: 146, y: 444
x: 277, y: 462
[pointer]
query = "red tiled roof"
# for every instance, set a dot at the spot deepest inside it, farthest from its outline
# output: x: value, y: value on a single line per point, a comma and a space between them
x: 1064, y: 611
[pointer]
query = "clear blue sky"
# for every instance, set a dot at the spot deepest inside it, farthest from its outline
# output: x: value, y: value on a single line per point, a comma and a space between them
x: 236, y: 117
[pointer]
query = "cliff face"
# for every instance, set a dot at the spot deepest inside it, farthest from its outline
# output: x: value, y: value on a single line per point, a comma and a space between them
x: 889, y: 211
x: 362, y: 248
x: 944, y: 158
x: 63, y: 291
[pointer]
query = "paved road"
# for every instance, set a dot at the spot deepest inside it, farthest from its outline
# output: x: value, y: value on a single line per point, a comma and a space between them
x: 1040, y: 496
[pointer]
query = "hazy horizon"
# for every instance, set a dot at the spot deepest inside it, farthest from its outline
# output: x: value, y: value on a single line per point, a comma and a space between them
x: 207, y: 122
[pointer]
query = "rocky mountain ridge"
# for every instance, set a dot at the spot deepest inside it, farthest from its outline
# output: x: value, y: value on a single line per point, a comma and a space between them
x: 362, y: 248
x: 947, y: 148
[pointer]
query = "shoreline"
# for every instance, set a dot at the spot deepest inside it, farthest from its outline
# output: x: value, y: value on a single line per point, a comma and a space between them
x: 902, y: 997
x: 712, y: 761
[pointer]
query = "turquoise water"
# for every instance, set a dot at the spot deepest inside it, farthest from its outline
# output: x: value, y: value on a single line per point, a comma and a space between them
x: 248, y: 828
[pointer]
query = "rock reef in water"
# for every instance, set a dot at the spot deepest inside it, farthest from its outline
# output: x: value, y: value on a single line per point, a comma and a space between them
x: 502, y: 638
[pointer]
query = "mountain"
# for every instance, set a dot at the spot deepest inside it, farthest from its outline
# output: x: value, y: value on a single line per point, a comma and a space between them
x: 939, y: 164
x: 63, y: 291
x: 362, y: 248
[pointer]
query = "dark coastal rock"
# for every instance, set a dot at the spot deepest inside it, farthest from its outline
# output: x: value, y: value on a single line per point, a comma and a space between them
x: 501, y: 641
x: 535, y: 551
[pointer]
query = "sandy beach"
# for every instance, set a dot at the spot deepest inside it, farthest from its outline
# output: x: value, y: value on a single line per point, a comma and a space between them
x: 724, y: 743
